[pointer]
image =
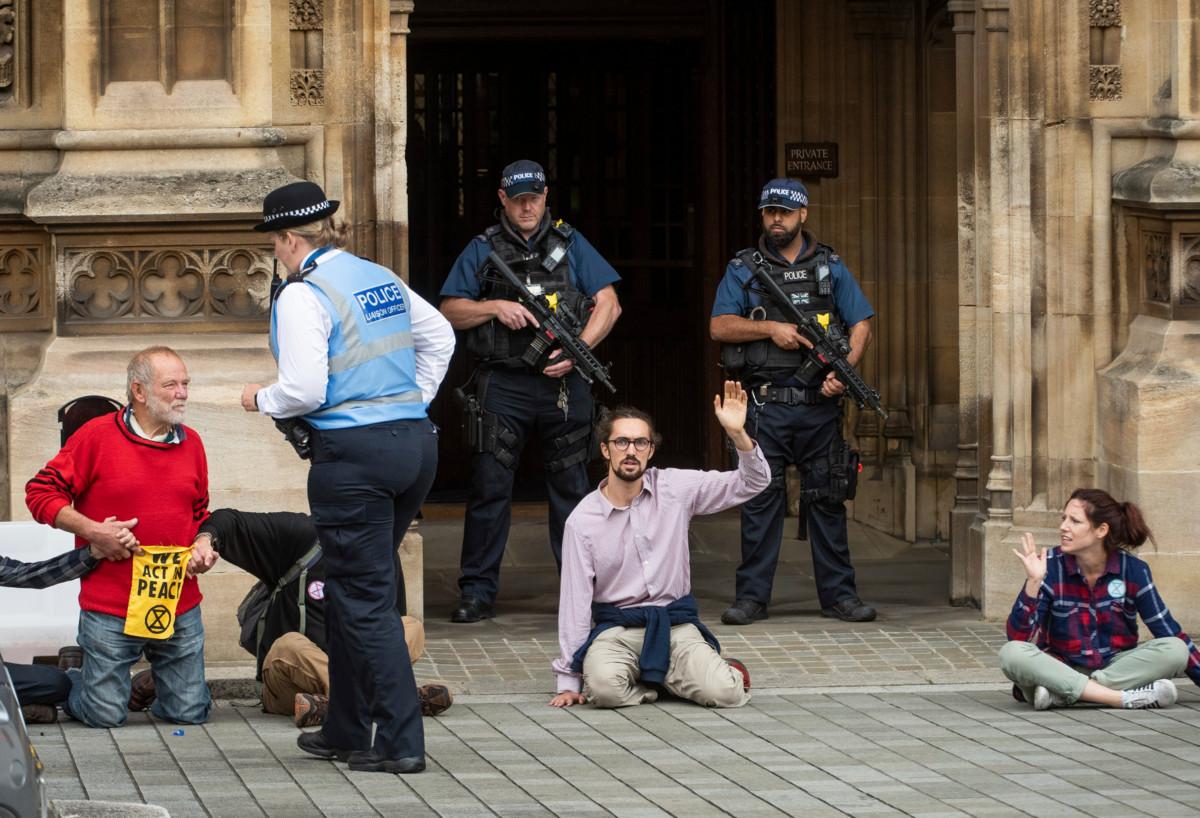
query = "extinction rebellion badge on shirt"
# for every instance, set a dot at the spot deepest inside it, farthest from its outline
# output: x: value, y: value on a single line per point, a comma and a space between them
x: 158, y: 574
x: 378, y: 303
x: 1116, y: 588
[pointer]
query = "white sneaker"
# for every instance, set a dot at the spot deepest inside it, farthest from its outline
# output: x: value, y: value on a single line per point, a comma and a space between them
x: 1154, y: 695
x: 1043, y: 699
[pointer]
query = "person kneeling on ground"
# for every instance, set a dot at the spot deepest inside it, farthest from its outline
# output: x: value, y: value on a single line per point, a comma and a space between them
x: 283, y: 615
x: 134, y: 486
x: 626, y: 567
x: 1082, y: 600
x: 41, y: 689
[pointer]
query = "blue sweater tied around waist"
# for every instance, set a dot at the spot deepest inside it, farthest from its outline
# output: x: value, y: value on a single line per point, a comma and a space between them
x: 655, y: 658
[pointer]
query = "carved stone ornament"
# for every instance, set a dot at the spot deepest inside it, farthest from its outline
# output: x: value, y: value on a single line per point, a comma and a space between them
x: 306, y: 15
x: 8, y: 55
x: 1104, y: 13
x: 1189, y: 289
x: 20, y: 280
x: 1104, y: 82
x: 308, y: 86
x: 1157, y: 263
x: 166, y: 284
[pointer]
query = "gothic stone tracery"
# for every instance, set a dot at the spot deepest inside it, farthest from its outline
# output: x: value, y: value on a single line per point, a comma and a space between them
x: 176, y: 284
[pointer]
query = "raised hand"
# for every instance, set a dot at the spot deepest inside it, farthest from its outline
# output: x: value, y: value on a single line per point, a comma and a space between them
x: 731, y: 414
x: 1034, y: 560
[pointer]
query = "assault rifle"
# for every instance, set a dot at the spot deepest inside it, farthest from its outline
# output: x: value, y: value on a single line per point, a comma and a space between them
x: 556, y: 325
x: 830, y: 347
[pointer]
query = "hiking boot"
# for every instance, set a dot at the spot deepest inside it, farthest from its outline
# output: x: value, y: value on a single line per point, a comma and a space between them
x: 1043, y: 699
x: 1152, y: 696
x: 39, y: 713
x: 737, y: 665
x: 435, y: 699
x: 743, y: 612
x: 851, y: 609
x: 70, y: 656
x: 141, y: 690
x: 310, y: 709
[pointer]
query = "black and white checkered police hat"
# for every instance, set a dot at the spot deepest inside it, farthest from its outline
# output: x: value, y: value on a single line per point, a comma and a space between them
x: 293, y: 205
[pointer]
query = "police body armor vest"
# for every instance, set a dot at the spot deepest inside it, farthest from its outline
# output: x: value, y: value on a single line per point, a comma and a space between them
x: 809, y: 285
x: 545, y: 270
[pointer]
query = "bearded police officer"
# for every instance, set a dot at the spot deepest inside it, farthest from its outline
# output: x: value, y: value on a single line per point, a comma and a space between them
x: 360, y: 358
x: 510, y: 400
x: 795, y: 412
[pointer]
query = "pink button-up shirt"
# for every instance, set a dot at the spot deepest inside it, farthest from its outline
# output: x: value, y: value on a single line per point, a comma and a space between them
x: 639, y: 555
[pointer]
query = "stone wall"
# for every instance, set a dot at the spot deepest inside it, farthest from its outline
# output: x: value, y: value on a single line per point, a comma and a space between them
x: 878, y: 80
x: 134, y: 157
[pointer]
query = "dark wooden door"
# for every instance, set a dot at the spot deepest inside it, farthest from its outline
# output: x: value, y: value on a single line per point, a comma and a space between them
x: 616, y: 126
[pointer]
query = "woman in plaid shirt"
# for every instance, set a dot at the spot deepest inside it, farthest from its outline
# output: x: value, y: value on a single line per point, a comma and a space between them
x: 1074, y: 626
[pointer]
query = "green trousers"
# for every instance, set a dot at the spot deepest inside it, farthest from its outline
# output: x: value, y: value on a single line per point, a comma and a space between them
x: 1027, y: 667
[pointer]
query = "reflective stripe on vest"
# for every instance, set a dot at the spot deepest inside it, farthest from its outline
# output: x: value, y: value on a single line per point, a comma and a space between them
x: 372, y: 362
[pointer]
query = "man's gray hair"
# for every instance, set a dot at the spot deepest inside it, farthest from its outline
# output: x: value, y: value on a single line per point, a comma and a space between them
x: 141, y: 368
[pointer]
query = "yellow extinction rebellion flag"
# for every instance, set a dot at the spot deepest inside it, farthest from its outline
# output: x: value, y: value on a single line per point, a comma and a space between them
x: 158, y: 574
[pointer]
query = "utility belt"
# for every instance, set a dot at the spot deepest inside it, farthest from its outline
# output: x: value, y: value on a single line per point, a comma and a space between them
x: 484, y: 431
x: 787, y: 395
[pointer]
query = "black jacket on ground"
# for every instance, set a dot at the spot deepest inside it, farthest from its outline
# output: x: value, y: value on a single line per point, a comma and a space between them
x: 267, y: 545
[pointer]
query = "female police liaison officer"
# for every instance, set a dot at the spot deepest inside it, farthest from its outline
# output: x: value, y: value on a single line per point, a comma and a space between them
x: 360, y: 356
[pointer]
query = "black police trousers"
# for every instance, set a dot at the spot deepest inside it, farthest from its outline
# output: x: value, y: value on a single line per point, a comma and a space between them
x: 365, y: 486
x: 525, y: 403
x: 801, y: 435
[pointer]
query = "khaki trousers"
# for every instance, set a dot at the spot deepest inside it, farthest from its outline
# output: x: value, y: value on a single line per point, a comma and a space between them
x: 294, y: 664
x: 1027, y: 667
x: 697, y: 672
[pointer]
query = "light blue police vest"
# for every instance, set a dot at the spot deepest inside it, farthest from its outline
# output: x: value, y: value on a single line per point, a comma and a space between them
x: 372, y: 364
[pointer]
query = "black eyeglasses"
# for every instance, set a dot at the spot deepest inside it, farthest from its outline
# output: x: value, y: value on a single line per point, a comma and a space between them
x: 622, y: 443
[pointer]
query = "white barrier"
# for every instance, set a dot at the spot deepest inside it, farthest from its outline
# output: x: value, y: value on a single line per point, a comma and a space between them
x: 34, y: 621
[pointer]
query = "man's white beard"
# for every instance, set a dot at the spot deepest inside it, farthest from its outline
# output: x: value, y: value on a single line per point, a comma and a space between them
x: 161, y: 411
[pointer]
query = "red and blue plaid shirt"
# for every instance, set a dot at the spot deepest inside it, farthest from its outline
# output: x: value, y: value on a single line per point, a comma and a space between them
x: 1087, y: 627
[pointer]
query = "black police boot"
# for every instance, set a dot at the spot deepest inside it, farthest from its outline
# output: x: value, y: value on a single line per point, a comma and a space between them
x: 371, y: 761
x: 851, y: 609
x: 315, y: 744
x: 743, y: 612
x: 472, y: 610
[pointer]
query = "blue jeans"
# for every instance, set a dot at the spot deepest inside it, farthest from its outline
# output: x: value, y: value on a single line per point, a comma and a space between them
x: 100, y: 689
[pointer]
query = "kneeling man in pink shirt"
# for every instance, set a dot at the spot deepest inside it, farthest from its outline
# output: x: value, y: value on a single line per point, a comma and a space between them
x: 627, y: 621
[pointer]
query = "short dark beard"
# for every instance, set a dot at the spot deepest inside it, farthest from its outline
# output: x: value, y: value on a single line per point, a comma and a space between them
x: 788, y: 238
x: 628, y: 478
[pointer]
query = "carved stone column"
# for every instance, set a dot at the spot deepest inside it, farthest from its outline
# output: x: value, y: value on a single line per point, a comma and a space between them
x: 391, y: 106
x: 965, y: 560
x: 1000, y: 477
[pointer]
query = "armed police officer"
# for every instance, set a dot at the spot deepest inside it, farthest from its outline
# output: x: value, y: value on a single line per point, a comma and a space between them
x: 360, y: 358
x: 795, y: 411
x: 507, y: 400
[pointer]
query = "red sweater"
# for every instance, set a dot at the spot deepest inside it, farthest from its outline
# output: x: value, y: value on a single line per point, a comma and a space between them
x: 106, y: 470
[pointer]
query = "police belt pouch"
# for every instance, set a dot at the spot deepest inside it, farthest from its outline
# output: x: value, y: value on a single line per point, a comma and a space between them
x: 297, y: 433
x: 158, y: 576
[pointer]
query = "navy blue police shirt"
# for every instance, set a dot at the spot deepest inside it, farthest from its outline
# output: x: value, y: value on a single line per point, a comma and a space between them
x: 734, y: 299
x: 590, y: 273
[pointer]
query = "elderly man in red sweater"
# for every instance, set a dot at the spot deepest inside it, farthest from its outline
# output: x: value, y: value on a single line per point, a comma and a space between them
x: 134, y: 485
